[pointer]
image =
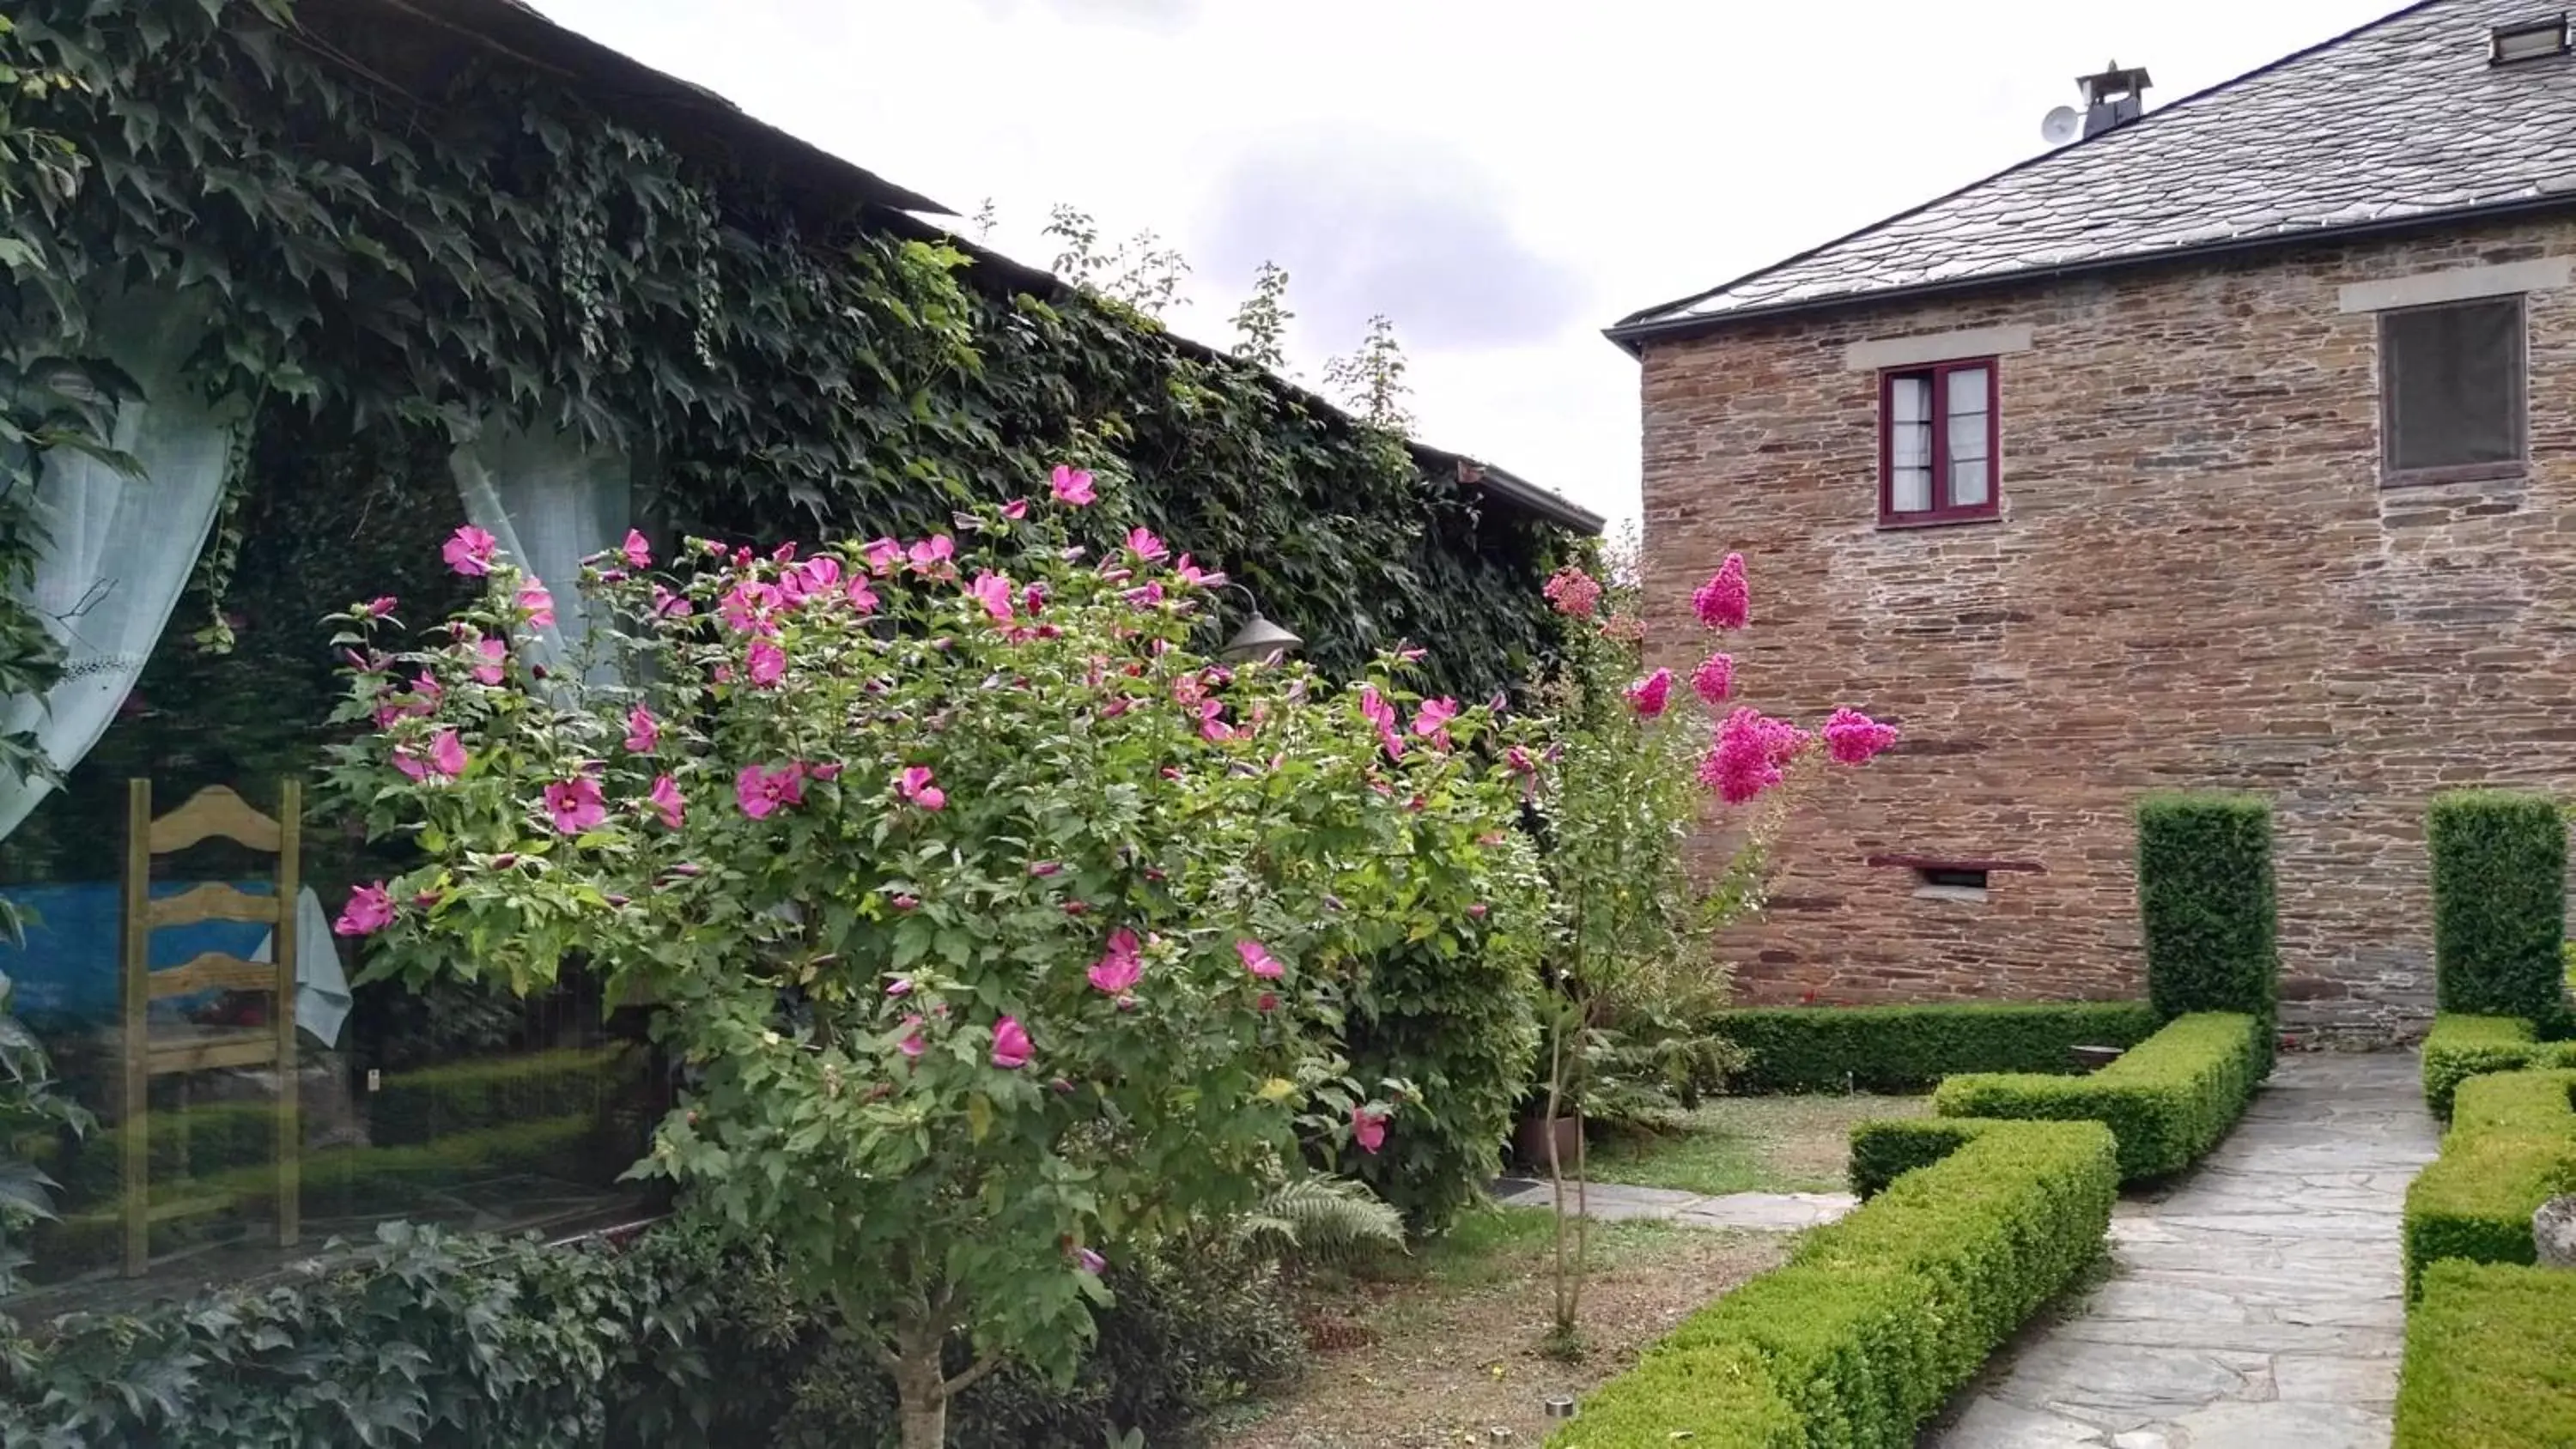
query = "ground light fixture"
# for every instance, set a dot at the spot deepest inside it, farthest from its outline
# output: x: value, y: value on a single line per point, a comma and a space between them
x: 1258, y: 638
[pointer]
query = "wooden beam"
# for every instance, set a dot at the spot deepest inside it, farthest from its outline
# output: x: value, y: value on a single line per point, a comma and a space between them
x: 134, y: 945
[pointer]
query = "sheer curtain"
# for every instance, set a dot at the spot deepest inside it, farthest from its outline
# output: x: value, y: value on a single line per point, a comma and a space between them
x: 119, y: 549
x: 552, y: 501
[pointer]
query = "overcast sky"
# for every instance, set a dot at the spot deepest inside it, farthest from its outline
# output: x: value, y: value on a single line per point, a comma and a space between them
x: 1501, y: 177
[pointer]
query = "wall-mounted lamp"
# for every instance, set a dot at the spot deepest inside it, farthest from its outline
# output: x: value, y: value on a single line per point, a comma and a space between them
x: 1258, y: 638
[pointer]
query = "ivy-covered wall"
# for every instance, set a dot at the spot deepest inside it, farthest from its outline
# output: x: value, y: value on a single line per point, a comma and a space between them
x: 474, y: 239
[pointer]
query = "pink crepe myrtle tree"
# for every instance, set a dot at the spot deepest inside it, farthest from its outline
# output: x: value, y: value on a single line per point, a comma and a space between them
x: 1632, y: 765
x: 999, y: 930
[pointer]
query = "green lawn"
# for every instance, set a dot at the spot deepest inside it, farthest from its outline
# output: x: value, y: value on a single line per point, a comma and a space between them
x: 1749, y: 1144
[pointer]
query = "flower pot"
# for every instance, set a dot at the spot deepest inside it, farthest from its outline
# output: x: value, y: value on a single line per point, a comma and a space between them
x: 1529, y: 1141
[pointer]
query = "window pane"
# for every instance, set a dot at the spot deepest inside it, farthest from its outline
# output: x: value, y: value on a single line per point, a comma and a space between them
x: 2453, y: 378
x: 1969, y: 391
x: 1909, y: 399
x: 1968, y: 482
x: 1910, y: 445
x: 1967, y: 435
x: 1911, y: 490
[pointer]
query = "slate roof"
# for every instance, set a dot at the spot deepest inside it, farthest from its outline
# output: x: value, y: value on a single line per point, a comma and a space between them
x: 2394, y: 124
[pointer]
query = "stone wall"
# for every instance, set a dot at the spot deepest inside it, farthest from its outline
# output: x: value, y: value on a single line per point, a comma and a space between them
x: 2198, y: 580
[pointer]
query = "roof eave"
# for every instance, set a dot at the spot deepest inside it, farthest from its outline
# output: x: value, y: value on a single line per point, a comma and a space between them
x: 1632, y: 336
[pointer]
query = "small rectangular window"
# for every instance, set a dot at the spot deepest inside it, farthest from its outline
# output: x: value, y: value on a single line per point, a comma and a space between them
x: 1937, y: 443
x: 1949, y: 877
x: 2451, y: 390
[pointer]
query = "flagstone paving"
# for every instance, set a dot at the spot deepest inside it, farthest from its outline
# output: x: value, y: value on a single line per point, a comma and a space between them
x: 2256, y: 1304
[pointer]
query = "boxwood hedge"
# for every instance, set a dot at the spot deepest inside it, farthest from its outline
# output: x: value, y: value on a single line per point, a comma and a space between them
x: 2168, y: 1100
x: 1909, y: 1048
x: 2499, y: 902
x: 2511, y: 1147
x: 2205, y: 903
x: 1877, y: 1320
x: 2490, y: 1360
x: 2460, y: 1047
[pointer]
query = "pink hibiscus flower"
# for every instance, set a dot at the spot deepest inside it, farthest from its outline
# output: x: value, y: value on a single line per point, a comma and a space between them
x: 575, y: 805
x: 1258, y: 960
x: 639, y: 553
x: 378, y: 607
x: 994, y: 592
x: 766, y: 663
x: 1431, y: 721
x: 862, y: 598
x: 752, y: 607
x: 536, y: 605
x: 643, y: 732
x: 494, y: 654
x: 1368, y: 1128
x: 914, y: 786
x: 666, y: 799
x: 762, y: 793
x: 883, y: 554
x: 469, y: 551
x: 1142, y: 543
x: 912, y: 1043
x: 1011, y: 1047
x: 369, y: 910
x: 1016, y: 509
x: 1071, y: 486
x: 933, y: 552
x: 1118, y: 967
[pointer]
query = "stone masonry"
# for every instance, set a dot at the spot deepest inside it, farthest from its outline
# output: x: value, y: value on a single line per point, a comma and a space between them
x: 2198, y: 580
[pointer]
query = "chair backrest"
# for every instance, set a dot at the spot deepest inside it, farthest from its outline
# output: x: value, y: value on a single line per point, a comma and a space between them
x: 214, y: 812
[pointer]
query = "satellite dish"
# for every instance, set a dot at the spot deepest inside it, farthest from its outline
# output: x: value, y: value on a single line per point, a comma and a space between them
x: 2063, y: 125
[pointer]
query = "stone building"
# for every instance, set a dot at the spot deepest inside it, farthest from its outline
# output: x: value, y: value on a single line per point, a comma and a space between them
x: 2232, y: 444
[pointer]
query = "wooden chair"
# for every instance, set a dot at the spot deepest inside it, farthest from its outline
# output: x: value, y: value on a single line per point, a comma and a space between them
x: 214, y: 811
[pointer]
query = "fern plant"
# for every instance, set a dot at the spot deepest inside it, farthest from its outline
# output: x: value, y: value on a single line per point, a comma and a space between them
x: 1320, y: 1220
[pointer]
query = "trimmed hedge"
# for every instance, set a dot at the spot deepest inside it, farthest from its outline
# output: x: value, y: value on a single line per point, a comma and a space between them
x: 1910, y: 1048
x: 2490, y: 1360
x: 1883, y: 1151
x: 2461, y: 1047
x: 2511, y: 1147
x: 1878, y: 1319
x: 2170, y: 1099
x: 2205, y: 903
x: 2499, y: 903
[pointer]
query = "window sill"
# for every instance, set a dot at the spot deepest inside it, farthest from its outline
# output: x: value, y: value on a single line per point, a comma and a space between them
x: 2465, y: 473
x: 1896, y: 523
x: 1964, y: 895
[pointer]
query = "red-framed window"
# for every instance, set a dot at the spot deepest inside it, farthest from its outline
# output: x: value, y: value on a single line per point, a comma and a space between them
x: 1937, y: 453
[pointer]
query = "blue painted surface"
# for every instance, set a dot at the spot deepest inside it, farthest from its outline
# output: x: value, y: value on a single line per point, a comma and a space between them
x: 67, y: 973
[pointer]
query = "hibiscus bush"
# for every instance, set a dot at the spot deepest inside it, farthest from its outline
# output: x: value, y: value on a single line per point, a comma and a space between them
x: 996, y: 929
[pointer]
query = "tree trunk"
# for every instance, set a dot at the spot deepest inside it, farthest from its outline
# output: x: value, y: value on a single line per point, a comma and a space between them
x: 1556, y: 1182
x: 921, y: 1392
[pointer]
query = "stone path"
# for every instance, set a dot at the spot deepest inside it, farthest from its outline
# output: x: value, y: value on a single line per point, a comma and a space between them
x: 1762, y: 1212
x: 2256, y: 1304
